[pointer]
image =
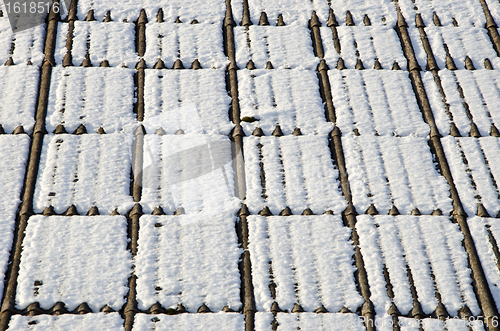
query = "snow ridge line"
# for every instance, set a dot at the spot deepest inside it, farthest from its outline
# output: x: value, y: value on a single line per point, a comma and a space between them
x: 450, y: 65
x: 367, y: 309
x: 245, y: 267
x: 8, y: 307
x: 481, y: 286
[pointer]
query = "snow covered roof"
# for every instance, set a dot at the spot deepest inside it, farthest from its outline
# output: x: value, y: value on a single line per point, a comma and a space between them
x: 251, y: 165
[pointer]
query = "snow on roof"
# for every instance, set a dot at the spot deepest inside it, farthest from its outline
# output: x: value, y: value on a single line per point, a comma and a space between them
x: 277, y: 165
x: 73, y: 260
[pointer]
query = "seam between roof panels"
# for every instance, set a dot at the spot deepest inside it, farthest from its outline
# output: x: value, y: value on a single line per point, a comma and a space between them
x: 246, y: 289
x: 8, y: 302
x: 484, y: 294
x: 349, y: 214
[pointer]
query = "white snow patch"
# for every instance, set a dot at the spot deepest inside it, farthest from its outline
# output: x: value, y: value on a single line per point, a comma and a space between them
x: 387, y: 171
x: 299, y: 173
x: 14, y: 153
x: 474, y: 167
x: 195, y: 101
x: 309, y: 321
x: 187, y: 42
x: 376, y: 102
x: 206, y: 11
x: 190, y: 260
x: 94, y: 97
x: 111, y: 41
x: 383, y: 322
x: 461, y: 42
x: 96, y: 322
x: 263, y: 321
x: 28, y: 44
x: 18, y: 96
x: 74, y: 259
x: 413, y: 241
x: 289, y: 98
x: 85, y: 171
x: 192, y: 322
x: 315, y: 252
x: 366, y: 43
x: 287, y: 47
x: 467, y: 13
x: 191, y: 171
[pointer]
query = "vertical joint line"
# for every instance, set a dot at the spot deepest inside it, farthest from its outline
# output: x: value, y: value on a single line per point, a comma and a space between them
x: 26, y: 210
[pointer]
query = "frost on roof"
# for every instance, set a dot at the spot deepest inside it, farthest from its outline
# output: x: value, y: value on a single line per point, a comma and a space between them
x: 28, y: 44
x: 74, y: 259
x: 475, y: 167
x: 190, y: 260
x: 192, y: 322
x: 387, y: 171
x: 467, y: 13
x: 364, y: 43
x: 94, y: 97
x: 430, y: 247
x: 18, y: 96
x: 207, y: 11
x: 95, y: 322
x: 309, y: 321
x: 291, y: 171
x: 305, y: 260
x: 111, y: 41
x: 191, y: 171
x: 486, y: 234
x: 287, y: 47
x: 289, y: 98
x: 376, y: 102
x: 469, y: 97
x: 187, y: 42
x: 85, y: 171
x: 458, y: 42
x: 14, y: 155
x: 194, y: 101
